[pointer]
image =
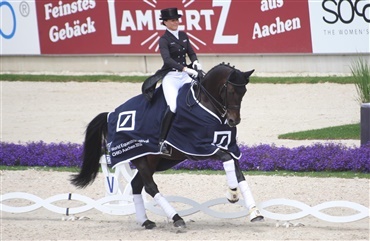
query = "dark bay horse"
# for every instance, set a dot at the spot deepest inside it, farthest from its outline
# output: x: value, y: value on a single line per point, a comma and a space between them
x: 219, y: 94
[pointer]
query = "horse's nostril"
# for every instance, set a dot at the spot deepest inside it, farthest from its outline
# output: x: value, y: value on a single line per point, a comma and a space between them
x: 232, y: 123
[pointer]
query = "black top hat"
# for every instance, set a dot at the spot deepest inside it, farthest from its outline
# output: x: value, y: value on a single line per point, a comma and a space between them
x: 169, y: 13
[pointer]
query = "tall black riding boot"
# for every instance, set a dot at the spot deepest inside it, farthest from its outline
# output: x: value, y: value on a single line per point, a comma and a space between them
x: 165, y: 127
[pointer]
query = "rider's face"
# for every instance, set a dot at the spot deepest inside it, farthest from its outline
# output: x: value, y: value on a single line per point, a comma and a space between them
x: 172, y: 24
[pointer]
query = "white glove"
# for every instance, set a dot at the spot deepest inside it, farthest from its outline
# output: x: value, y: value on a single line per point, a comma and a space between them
x: 196, y: 65
x: 191, y: 72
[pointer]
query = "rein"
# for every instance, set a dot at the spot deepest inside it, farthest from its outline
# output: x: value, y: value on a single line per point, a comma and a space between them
x: 215, y: 102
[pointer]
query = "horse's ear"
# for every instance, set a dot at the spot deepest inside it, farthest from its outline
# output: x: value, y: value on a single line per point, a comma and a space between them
x: 247, y: 75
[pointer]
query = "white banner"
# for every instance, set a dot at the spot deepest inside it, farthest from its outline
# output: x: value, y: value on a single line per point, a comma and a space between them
x: 340, y: 26
x: 18, y: 29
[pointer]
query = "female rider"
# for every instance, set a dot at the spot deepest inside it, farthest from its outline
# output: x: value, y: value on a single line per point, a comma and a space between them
x: 173, y: 46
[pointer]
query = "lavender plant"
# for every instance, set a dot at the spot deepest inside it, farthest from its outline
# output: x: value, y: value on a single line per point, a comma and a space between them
x: 41, y: 154
x: 316, y: 157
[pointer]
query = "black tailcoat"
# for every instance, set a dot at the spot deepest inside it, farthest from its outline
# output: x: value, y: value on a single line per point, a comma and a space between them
x: 173, y: 52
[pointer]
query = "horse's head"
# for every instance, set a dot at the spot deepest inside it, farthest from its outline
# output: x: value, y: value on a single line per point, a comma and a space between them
x: 225, y: 87
x: 232, y: 92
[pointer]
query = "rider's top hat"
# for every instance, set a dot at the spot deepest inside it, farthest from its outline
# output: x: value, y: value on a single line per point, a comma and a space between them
x: 169, y: 13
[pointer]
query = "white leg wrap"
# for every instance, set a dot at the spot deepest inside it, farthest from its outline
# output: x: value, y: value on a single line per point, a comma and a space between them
x: 254, y: 213
x: 247, y: 194
x: 229, y: 167
x: 140, y: 209
x: 167, y: 208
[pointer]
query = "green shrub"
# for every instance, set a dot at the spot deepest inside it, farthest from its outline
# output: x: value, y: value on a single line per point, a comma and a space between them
x: 361, y: 74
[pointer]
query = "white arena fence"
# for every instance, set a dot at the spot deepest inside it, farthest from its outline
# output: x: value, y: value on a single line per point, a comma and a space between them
x: 118, y: 201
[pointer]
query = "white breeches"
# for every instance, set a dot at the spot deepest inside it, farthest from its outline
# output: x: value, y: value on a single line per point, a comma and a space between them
x: 171, y: 84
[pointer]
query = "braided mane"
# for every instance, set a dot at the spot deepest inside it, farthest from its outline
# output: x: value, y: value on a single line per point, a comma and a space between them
x: 222, y: 64
x: 218, y: 66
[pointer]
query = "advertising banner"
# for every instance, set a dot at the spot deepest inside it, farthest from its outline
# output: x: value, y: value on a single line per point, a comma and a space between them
x: 213, y: 26
x: 339, y: 26
x: 18, y: 29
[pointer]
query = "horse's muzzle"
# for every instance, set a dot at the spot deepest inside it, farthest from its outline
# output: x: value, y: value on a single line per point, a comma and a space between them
x: 233, y: 122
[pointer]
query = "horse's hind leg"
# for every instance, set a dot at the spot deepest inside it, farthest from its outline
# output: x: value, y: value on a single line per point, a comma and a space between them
x: 137, y: 187
x: 146, y: 170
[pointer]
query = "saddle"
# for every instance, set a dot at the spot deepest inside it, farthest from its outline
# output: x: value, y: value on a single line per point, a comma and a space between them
x: 150, y: 83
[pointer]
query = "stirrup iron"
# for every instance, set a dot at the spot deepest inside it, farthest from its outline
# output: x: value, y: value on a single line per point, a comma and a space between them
x: 165, y: 149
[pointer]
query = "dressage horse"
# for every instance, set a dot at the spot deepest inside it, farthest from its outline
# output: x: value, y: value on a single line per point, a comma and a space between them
x: 218, y: 96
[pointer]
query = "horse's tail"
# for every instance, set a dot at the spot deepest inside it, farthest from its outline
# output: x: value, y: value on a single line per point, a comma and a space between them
x: 95, y: 136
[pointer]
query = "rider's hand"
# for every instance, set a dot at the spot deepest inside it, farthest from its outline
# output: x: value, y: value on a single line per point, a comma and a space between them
x: 191, y: 72
x: 196, y: 65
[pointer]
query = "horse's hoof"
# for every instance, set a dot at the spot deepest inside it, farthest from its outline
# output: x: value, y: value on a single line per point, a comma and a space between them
x: 179, y: 224
x: 255, y: 215
x: 148, y: 224
x: 232, y: 195
x: 258, y: 219
x: 233, y: 201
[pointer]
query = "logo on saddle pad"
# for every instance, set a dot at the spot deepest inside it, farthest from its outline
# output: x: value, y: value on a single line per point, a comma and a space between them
x: 222, y: 139
x: 126, y: 121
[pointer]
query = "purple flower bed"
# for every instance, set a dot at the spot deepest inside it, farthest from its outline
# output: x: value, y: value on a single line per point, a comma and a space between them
x: 41, y: 154
x: 317, y: 157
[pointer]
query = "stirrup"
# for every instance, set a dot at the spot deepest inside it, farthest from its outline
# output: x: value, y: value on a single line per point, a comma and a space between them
x: 165, y: 149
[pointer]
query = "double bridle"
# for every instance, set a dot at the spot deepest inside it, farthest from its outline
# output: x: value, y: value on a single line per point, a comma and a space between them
x: 217, y: 104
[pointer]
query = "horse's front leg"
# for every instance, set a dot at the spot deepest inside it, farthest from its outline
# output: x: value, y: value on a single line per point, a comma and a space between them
x: 254, y: 213
x: 232, y: 193
x: 146, y: 172
x: 235, y: 178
